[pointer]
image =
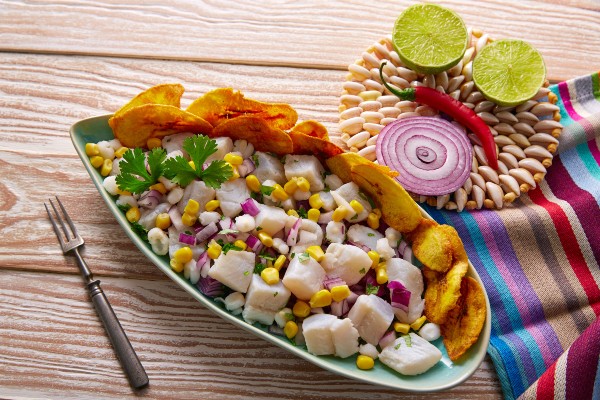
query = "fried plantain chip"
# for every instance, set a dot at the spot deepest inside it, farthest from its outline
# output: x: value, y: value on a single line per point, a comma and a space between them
x: 311, y: 128
x: 257, y: 131
x: 343, y: 163
x: 220, y: 105
x: 167, y: 93
x: 438, y: 247
x: 465, y: 321
x: 398, y: 209
x: 138, y: 124
x: 321, y: 148
x: 443, y: 291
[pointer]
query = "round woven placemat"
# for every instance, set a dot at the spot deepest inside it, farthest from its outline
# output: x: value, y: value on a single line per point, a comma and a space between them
x: 526, y: 135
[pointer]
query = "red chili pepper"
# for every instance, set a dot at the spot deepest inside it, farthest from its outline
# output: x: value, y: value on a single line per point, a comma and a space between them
x: 454, y: 108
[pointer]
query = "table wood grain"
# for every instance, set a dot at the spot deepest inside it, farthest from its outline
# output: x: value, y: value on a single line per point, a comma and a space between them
x: 64, y: 61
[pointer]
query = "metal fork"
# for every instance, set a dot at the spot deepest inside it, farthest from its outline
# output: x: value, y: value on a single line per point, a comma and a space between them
x: 70, y: 241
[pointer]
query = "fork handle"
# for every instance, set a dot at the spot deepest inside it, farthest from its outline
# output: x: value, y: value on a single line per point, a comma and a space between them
x: 125, y: 353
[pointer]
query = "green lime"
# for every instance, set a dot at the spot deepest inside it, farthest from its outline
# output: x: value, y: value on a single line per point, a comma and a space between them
x: 509, y: 71
x: 429, y: 38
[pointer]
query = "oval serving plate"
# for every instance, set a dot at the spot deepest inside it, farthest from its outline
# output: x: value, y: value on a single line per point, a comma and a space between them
x: 444, y: 375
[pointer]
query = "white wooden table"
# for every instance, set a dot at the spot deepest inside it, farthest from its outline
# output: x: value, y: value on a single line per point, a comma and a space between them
x: 64, y: 61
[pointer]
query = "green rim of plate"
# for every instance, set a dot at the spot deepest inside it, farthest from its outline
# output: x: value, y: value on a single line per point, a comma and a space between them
x: 445, y: 375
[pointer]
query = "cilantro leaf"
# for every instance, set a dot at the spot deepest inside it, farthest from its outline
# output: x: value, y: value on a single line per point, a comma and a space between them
x: 140, y: 231
x: 302, y: 213
x: 230, y: 246
x: 258, y: 268
x: 371, y: 289
x: 266, y: 190
x: 134, y: 177
x: 303, y: 257
x: 199, y: 148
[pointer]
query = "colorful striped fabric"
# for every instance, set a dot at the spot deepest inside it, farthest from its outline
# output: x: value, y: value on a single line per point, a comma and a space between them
x: 539, y: 260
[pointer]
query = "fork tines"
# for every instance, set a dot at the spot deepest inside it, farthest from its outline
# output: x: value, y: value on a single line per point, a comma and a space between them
x: 72, y: 238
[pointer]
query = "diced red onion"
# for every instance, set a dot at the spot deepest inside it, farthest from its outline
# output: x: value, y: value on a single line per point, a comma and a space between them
x: 246, y: 167
x: 387, y: 339
x: 187, y: 239
x: 210, y: 287
x: 207, y: 232
x: 361, y: 246
x: 202, y: 259
x: 340, y: 308
x: 254, y: 244
x: 399, y: 295
x: 250, y: 207
x: 274, y: 329
x: 292, y: 236
x: 226, y: 223
x: 351, y: 299
x: 331, y: 282
x: 325, y: 218
x: 401, y: 247
x: 433, y: 156
x: 150, y: 199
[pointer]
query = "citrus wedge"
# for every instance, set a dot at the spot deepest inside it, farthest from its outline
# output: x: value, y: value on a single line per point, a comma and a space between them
x: 509, y: 71
x: 429, y: 38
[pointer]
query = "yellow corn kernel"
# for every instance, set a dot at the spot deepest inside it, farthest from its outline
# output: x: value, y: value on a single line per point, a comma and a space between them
x: 278, y: 193
x: 212, y: 205
x: 265, y: 239
x: 233, y: 159
x: 241, y: 244
x: 314, y: 214
x: 214, y: 250
x: 377, y: 212
x: 123, y: 192
x: 183, y: 255
x: 356, y: 206
x: 321, y: 299
x: 339, y: 214
x: 96, y: 161
x: 303, y: 184
x: 176, y: 265
x: 401, y: 328
x: 364, y: 362
x: 192, y: 207
x: 106, y: 167
x: 290, y: 329
x: 91, y: 149
x: 374, y: 256
x: 253, y: 183
x: 291, y: 186
x: 340, y: 292
x: 120, y: 151
x: 234, y: 173
x: 315, y: 201
x: 279, y: 262
x: 382, y: 276
x: 188, y: 219
x: 192, y: 164
x: 418, y: 323
x: 381, y: 265
x: 163, y: 221
x: 133, y: 214
x: 153, y: 143
x: 316, y: 252
x: 159, y: 187
x: 293, y: 213
x: 373, y: 220
x: 301, y: 309
x: 270, y: 275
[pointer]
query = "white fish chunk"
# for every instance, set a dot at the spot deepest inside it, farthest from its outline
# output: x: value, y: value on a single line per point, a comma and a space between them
x: 196, y: 190
x: 347, y: 262
x: 231, y: 195
x: 268, y: 167
x: 305, y: 166
x: 234, y: 269
x: 364, y: 235
x: 263, y: 301
x: 304, y: 278
x: 410, y: 355
x: 371, y: 316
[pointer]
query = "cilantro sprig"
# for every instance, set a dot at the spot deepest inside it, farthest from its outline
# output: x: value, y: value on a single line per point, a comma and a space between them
x: 134, y: 177
x: 199, y: 148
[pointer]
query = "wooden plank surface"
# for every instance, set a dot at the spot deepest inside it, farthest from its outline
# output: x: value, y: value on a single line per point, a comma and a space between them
x: 312, y: 34
x: 65, y: 61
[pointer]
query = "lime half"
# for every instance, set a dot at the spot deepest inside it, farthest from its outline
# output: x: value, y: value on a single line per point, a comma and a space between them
x: 509, y: 71
x: 429, y: 38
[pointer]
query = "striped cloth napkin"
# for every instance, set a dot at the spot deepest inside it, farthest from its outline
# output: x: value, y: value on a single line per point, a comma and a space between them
x: 539, y: 260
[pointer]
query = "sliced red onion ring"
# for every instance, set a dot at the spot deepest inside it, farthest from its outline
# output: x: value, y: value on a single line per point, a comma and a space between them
x: 387, y: 339
x: 340, y: 308
x: 250, y: 207
x: 254, y: 244
x: 246, y: 168
x: 292, y: 236
x: 210, y: 287
x: 332, y: 282
x: 150, y: 199
x: 432, y: 156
